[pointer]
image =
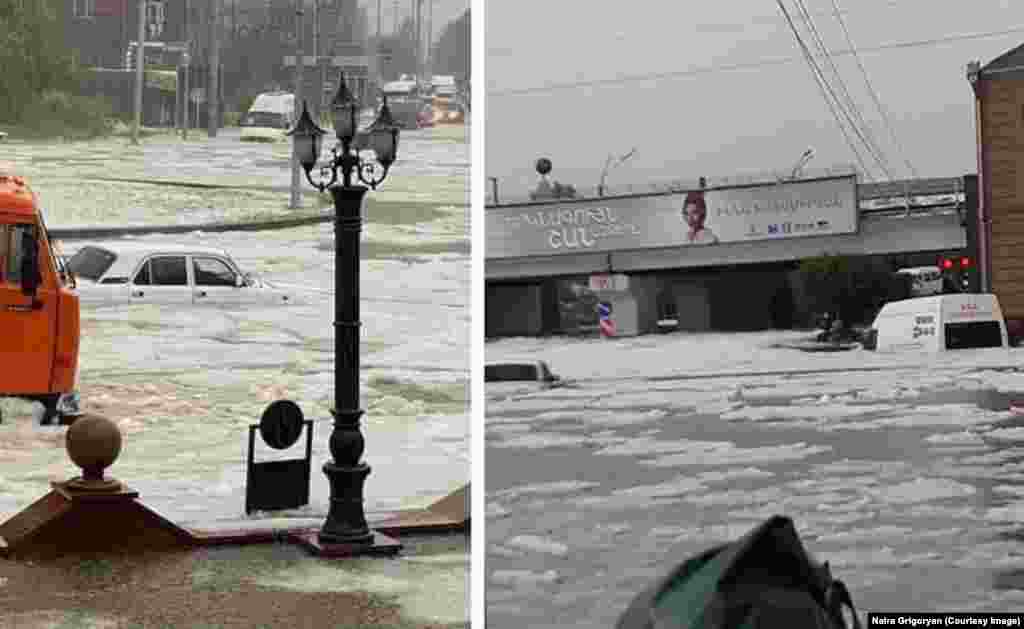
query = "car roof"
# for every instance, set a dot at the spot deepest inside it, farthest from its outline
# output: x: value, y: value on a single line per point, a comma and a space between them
x: 129, y: 254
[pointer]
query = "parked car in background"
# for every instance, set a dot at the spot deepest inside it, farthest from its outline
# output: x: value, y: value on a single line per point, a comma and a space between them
x: 515, y: 377
x: 129, y: 272
x: 925, y: 280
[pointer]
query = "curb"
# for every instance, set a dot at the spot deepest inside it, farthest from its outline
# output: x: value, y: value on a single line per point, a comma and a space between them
x: 81, y: 233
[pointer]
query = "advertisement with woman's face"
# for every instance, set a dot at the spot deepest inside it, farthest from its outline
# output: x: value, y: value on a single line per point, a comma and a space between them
x: 695, y: 214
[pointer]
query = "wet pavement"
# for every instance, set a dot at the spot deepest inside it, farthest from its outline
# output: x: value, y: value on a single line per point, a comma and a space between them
x: 909, y: 481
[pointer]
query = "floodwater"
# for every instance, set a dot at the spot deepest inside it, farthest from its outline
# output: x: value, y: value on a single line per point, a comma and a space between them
x: 905, y: 472
x: 184, y: 384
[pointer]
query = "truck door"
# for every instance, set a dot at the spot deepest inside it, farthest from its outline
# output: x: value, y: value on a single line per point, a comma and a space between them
x: 28, y: 325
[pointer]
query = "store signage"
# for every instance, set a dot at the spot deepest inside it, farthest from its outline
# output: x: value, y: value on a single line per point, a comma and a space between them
x: 817, y: 207
x: 609, y: 282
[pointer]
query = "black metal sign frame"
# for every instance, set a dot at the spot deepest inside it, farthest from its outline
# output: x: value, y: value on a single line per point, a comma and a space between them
x: 275, y: 485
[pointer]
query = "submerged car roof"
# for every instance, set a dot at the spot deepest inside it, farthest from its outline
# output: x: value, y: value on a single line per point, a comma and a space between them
x: 129, y: 254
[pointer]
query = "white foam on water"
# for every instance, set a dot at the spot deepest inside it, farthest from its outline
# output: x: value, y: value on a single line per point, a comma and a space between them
x: 647, y: 445
x: 821, y: 412
x: 541, y: 440
x: 679, y: 486
x: 921, y: 490
x: 536, y: 544
x: 1012, y: 512
x: 964, y: 437
x: 545, y: 489
x: 1006, y: 434
x: 523, y: 577
x: 735, y: 455
x: 719, y: 476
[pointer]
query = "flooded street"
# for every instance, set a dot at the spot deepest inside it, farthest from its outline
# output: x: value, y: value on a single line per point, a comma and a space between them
x: 184, y: 383
x: 906, y: 472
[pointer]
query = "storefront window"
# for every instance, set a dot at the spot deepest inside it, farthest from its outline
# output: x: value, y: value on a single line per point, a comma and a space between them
x: 577, y: 306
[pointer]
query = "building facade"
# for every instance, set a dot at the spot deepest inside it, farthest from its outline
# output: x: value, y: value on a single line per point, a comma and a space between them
x: 710, y: 259
x: 999, y: 123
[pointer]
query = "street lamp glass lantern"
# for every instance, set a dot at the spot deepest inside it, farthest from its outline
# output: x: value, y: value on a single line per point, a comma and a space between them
x: 344, y: 108
x: 384, y: 136
x: 307, y: 137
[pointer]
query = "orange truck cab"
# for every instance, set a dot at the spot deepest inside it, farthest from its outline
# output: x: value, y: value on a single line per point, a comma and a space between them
x: 39, y: 310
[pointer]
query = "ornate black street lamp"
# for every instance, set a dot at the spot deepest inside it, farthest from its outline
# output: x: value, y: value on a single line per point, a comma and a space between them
x: 346, y: 521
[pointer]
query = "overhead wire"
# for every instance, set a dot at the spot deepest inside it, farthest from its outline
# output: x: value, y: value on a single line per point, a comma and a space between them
x: 750, y: 65
x: 819, y: 80
x: 850, y: 109
x: 871, y: 90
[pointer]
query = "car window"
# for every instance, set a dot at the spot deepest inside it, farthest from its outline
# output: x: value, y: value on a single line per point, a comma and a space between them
x: 510, y: 373
x: 142, y: 277
x: 212, y: 272
x: 91, y: 262
x: 168, y: 271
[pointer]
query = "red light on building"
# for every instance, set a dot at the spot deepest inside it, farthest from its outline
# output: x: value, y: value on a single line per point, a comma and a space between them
x: 947, y: 264
x: 965, y: 262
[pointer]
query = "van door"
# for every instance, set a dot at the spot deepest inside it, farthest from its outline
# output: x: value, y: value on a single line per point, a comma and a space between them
x: 29, y: 325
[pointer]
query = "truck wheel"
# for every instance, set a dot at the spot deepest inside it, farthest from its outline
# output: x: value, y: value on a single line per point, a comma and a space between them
x: 49, y: 409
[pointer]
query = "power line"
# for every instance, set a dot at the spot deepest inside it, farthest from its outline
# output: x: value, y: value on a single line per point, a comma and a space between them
x: 819, y: 80
x: 871, y: 90
x: 859, y: 126
x: 750, y: 65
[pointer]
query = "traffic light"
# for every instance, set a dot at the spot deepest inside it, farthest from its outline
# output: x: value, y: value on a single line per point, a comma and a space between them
x: 965, y: 280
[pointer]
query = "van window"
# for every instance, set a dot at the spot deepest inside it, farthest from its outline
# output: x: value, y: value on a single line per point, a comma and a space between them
x: 91, y: 262
x: 973, y: 334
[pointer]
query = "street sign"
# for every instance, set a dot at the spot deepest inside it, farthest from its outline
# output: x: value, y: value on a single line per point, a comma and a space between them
x: 274, y: 485
x: 605, y: 321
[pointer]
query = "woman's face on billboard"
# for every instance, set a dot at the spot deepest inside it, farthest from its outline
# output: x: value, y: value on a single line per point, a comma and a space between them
x: 695, y: 216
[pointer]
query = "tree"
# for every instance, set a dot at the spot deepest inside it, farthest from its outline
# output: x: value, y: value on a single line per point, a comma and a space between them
x: 32, y: 55
x: 849, y: 290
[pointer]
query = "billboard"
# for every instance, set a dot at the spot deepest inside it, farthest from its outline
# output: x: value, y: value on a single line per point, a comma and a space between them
x: 816, y: 207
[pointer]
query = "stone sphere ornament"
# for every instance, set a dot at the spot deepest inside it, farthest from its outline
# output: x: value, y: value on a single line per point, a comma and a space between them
x: 93, y: 443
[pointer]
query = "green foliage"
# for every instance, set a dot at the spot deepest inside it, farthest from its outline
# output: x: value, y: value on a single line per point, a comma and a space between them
x: 56, y: 113
x: 851, y: 290
x: 32, y: 55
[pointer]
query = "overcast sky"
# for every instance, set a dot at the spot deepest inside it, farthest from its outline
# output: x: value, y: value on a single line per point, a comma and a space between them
x: 444, y: 11
x: 727, y: 122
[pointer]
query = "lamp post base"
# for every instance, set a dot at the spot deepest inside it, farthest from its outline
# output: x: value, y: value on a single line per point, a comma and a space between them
x: 346, y: 522
x: 345, y: 533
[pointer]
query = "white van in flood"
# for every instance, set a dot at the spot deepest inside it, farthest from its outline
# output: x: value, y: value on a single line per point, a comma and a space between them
x: 270, y: 116
x: 940, y: 322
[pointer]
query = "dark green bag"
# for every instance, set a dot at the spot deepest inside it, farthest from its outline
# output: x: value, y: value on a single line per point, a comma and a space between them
x: 764, y: 579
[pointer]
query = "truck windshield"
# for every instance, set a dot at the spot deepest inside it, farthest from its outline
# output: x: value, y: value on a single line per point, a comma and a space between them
x: 91, y: 262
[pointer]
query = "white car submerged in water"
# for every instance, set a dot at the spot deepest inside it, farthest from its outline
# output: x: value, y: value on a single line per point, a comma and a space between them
x: 131, y: 272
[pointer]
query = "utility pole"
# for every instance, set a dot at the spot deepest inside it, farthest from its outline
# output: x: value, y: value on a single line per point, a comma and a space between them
x: 296, y: 201
x: 140, y: 72
x: 212, y: 97
x: 318, y: 98
x: 430, y: 38
x: 377, y: 59
x: 187, y: 119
